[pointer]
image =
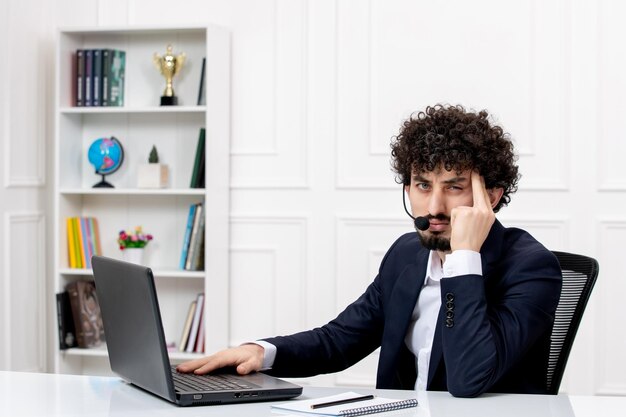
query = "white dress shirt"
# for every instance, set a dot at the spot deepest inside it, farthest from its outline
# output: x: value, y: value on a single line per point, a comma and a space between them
x: 421, y: 331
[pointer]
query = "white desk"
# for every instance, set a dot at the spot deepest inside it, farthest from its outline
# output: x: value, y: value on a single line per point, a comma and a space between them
x: 29, y: 394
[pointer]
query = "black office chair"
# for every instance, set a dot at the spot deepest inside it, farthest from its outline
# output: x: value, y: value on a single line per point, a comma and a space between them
x: 579, y: 276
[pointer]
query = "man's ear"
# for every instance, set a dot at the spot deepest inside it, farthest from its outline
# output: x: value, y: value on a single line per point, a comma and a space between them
x: 495, y: 194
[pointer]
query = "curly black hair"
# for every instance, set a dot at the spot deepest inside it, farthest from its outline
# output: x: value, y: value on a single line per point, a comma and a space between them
x: 455, y: 139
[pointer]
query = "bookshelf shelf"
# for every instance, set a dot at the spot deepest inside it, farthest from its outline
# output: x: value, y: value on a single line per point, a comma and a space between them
x: 163, y: 212
x: 134, y: 191
x: 101, y: 352
x: 158, y: 273
x: 132, y: 110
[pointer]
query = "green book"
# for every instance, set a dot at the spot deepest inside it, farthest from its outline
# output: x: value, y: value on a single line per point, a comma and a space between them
x: 196, y: 175
x: 116, y: 77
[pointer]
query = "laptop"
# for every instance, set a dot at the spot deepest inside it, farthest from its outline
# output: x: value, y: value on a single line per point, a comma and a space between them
x: 138, y: 353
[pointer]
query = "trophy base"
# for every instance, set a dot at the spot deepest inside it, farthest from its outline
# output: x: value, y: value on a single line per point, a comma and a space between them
x: 169, y: 101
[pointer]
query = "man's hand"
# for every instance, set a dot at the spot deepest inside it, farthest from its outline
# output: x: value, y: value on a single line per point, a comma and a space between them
x: 471, y: 225
x: 246, y: 358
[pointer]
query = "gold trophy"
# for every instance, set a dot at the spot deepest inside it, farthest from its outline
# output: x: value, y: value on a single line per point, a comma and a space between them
x: 169, y: 65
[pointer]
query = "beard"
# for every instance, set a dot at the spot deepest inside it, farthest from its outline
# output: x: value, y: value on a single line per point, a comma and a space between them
x: 434, y: 241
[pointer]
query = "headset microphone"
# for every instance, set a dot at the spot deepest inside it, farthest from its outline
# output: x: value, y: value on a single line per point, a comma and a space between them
x: 421, y: 223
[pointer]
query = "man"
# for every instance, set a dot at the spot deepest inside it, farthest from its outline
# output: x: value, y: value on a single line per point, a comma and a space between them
x: 465, y: 306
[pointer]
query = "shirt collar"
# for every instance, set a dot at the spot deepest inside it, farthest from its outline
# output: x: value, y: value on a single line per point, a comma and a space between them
x: 434, y: 269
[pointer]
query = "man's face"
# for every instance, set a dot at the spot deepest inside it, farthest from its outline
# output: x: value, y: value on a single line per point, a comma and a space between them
x: 433, y: 195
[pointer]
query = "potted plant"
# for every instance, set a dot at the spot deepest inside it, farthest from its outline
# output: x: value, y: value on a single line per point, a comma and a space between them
x: 132, y: 244
x: 153, y: 174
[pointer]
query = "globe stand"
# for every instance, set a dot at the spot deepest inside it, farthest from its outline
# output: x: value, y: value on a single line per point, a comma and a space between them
x: 103, y: 183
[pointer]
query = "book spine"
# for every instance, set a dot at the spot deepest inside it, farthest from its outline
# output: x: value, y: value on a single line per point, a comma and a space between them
x: 198, y: 247
x: 97, y: 77
x: 194, y: 236
x: 201, y: 99
x: 197, y: 160
x: 84, y: 224
x: 70, y: 243
x: 96, y: 234
x: 187, y: 327
x: 88, y: 77
x: 80, y: 77
x: 117, y: 75
x: 199, y: 348
x: 79, y: 243
x: 67, y: 333
x: 185, y: 250
x: 193, y: 333
x: 106, y: 64
x: 72, y: 291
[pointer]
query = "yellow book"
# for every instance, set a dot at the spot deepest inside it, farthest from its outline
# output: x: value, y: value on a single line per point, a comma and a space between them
x: 78, y: 239
x: 70, y: 242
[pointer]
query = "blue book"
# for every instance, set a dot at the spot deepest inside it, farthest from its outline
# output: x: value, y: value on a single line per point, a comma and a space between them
x: 183, y: 255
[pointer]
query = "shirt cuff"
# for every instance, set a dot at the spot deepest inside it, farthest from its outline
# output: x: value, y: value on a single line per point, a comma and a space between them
x: 269, y: 353
x: 462, y: 262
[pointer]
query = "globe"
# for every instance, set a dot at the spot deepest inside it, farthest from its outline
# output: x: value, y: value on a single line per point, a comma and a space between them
x: 106, y: 155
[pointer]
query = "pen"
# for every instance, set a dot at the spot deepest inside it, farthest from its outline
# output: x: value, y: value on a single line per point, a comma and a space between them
x: 339, y: 402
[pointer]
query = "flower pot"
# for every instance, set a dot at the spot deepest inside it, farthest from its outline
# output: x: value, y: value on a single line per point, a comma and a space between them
x: 133, y: 255
x: 152, y: 176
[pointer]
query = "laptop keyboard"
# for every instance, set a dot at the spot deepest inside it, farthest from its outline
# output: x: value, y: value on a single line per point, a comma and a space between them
x: 222, y: 382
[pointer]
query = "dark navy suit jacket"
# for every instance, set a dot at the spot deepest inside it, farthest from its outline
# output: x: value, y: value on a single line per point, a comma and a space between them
x: 492, y: 334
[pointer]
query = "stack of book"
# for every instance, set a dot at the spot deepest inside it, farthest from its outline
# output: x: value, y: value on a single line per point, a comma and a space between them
x: 99, y: 77
x: 79, y: 317
x: 83, y: 241
x: 192, y: 339
x: 192, y: 255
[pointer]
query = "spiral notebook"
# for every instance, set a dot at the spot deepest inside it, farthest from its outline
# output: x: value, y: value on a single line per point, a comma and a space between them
x: 360, y: 408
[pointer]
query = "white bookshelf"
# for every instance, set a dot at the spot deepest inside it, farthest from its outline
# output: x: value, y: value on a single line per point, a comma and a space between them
x: 139, y: 125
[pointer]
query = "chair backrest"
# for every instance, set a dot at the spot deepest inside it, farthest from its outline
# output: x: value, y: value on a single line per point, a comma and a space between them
x: 579, y: 276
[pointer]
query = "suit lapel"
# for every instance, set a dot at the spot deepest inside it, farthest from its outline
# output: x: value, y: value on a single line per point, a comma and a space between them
x: 402, y: 301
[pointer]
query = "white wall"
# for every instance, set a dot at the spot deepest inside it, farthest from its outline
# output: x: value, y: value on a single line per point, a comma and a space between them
x: 319, y: 87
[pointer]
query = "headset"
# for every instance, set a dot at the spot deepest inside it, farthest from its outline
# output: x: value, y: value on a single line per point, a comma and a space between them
x: 422, y: 223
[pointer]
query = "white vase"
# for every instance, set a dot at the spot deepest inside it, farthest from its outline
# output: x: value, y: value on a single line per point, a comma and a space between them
x: 133, y: 255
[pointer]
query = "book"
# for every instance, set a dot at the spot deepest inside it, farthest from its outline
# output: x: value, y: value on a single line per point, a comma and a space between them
x: 106, y: 64
x: 196, y: 179
x: 201, y: 93
x: 195, y: 324
x: 187, y: 327
x: 116, y: 76
x: 193, y: 241
x: 187, y: 237
x: 80, y: 77
x: 96, y: 82
x: 77, y: 244
x: 197, y: 245
x: 71, y: 254
x: 65, y: 321
x: 347, y: 406
x: 96, y: 235
x: 88, y: 77
x: 86, y: 313
x: 86, y: 250
x: 199, y: 348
